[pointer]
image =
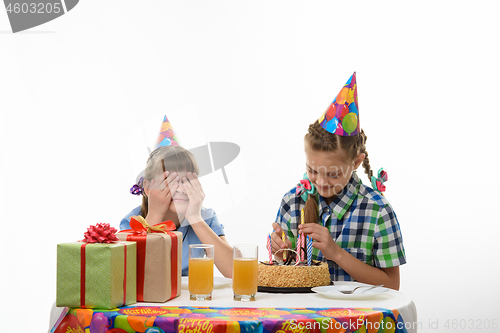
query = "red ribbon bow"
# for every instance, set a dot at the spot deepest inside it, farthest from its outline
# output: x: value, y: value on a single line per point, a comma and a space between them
x: 378, y: 182
x: 383, y: 175
x: 306, y: 183
x: 100, y: 233
x: 141, y: 227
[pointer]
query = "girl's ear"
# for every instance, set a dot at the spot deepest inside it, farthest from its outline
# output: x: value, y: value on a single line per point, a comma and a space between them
x: 145, y: 185
x: 358, y: 160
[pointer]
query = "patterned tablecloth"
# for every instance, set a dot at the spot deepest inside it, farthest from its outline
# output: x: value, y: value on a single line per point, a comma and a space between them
x: 271, y: 313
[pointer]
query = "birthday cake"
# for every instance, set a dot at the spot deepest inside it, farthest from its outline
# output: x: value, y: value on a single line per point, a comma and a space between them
x: 291, y: 276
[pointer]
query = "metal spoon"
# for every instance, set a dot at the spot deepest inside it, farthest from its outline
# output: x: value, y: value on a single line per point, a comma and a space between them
x: 348, y: 292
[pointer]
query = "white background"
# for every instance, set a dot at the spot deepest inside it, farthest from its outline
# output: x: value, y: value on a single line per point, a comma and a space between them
x: 82, y: 96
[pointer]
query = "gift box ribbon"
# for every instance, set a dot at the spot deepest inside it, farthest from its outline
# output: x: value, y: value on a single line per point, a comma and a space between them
x: 140, y: 230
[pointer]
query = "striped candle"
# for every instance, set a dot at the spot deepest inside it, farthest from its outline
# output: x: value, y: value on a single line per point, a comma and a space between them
x: 309, y: 250
x: 298, y: 249
x: 269, y: 249
x: 283, y: 238
x: 302, y: 245
x: 302, y: 237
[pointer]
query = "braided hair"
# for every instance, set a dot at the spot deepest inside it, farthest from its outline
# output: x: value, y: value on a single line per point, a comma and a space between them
x: 319, y: 139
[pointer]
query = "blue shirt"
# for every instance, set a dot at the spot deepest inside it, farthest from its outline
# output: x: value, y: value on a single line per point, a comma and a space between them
x: 189, y: 236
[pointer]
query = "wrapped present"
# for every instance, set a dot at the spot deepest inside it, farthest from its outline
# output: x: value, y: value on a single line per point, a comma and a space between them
x: 159, y: 259
x: 98, y: 272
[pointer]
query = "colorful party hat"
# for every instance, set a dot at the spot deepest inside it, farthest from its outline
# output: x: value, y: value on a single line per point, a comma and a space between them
x: 167, y: 136
x: 342, y: 115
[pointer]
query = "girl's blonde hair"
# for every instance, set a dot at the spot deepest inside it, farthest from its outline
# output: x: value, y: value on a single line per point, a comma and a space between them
x: 319, y: 139
x: 167, y: 158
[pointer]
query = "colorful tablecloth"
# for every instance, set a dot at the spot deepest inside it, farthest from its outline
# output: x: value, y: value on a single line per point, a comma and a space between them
x: 191, y: 319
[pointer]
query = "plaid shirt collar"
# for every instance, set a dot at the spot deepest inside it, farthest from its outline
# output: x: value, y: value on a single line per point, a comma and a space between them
x: 343, y: 200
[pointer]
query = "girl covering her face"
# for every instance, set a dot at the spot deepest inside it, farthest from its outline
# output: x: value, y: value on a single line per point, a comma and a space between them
x: 172, y: 191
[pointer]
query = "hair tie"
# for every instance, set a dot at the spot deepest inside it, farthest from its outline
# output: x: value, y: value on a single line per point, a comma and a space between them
x: 378, y: 182
x: 305, y: 187
x: 137, y: 189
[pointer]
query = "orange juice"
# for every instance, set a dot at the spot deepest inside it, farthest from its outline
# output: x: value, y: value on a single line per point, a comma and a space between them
x: 201, y: 276
x: 245, y: 273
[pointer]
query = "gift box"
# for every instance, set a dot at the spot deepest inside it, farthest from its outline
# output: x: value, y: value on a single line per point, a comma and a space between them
x: 96, y: 275
x: 98, y: 272
x: 159, y: 259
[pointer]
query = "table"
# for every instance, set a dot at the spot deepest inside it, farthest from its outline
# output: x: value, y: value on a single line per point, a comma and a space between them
x: 270, y: 313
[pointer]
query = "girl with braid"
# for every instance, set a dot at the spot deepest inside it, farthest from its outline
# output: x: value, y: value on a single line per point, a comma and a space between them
x: 353, y: 226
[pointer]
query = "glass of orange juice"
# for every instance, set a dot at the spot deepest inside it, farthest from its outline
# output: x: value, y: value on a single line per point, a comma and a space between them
x: 245, y: 272
x: 201, y: 272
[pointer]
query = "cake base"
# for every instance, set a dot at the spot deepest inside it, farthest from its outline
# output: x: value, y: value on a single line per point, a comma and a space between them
x: 276, y: 290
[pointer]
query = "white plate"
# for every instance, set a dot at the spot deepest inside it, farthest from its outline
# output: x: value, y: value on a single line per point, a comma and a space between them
x: 361, y: 293
x: 219, y: 282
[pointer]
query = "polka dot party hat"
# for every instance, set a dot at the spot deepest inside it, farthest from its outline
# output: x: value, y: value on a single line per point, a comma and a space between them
x: 167, y: 136
x: 342, y: 115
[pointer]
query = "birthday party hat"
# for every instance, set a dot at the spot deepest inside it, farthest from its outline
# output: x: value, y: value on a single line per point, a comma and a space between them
x: 342, y: 115
x: 167, y: 136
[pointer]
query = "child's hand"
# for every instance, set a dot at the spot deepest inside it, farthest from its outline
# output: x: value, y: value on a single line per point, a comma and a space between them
x: 277, y: 242
x: 196, y: 196
x: 323, y: 239
x: 160, y: 195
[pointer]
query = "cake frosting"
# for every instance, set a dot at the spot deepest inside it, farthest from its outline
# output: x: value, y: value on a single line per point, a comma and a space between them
x: 291, y: 276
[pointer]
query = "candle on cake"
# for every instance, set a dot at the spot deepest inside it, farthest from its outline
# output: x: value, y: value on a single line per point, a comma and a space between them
x: 298, y: 249
x: 309, y: 250
x: 302, y: 237
x: 269, y: 249
x: 283, y: 238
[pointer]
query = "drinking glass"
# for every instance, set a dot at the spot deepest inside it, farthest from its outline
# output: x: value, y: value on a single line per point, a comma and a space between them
x: 201, y: 272
x: 245, y: 271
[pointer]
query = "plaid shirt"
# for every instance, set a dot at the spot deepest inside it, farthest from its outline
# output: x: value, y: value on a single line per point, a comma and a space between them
x: 360, y: 220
